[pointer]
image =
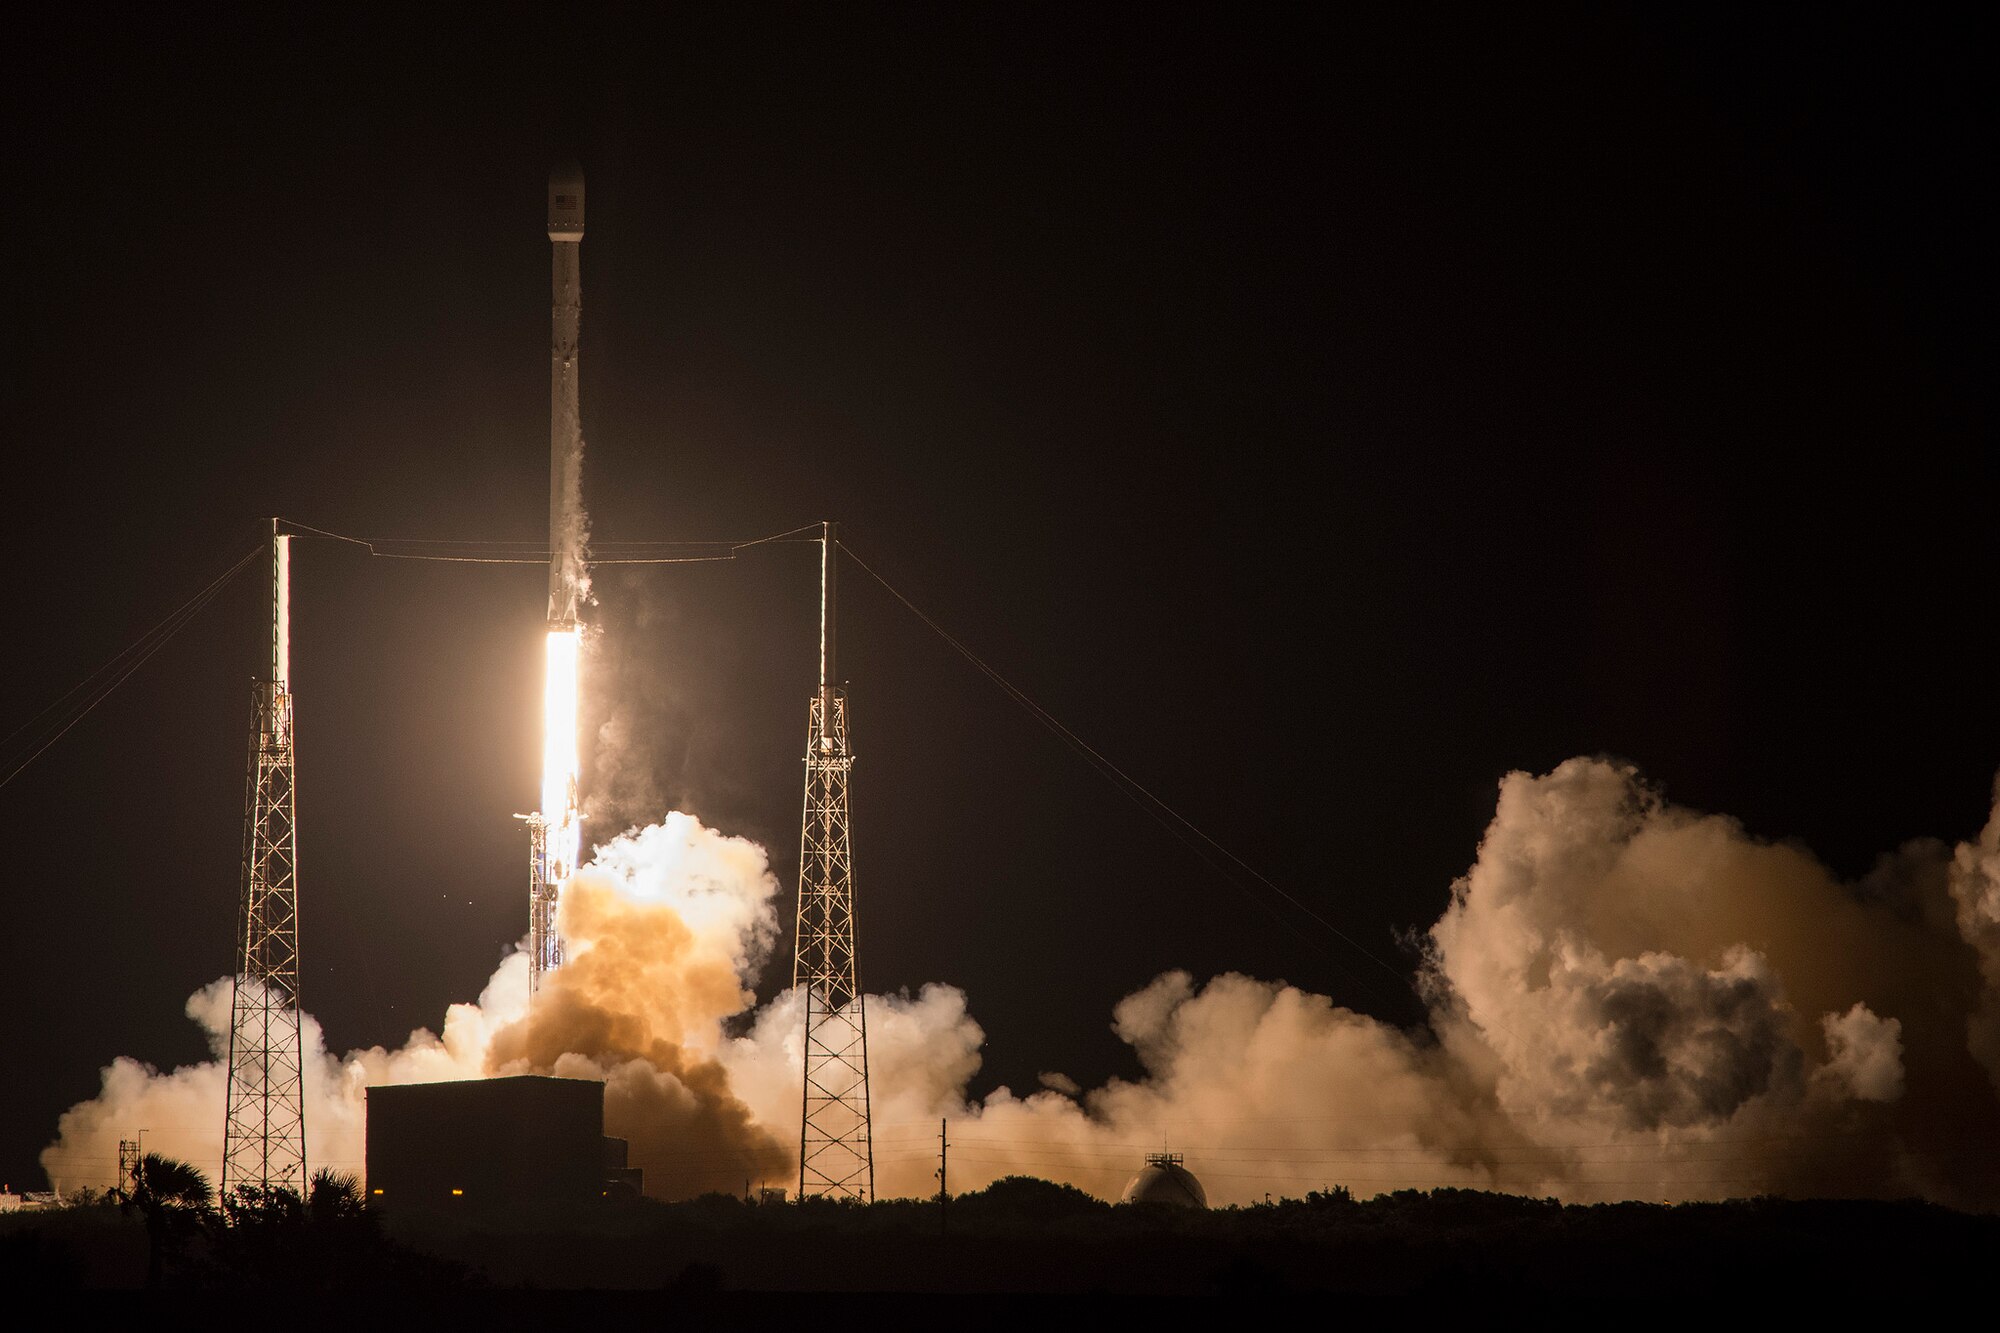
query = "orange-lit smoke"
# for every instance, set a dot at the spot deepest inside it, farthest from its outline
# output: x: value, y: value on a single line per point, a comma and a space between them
x: 1627, y: 999
x: 661, y: 931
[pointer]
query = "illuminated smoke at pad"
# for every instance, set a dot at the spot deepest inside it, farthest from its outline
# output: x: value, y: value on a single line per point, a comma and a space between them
x: 662, y: 929
x: 1627, y: 999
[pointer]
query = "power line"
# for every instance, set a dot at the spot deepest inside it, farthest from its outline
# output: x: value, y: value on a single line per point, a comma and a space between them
x: 1205, y: 847
x: 1138, y: 793
x: 488, y: 552
x: 101, y: 683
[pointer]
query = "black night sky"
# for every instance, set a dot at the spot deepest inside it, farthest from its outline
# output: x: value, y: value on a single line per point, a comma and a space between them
x: 1320, y: 421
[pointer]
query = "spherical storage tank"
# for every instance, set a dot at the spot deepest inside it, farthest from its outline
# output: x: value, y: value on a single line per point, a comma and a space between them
x: 1166, y: 1181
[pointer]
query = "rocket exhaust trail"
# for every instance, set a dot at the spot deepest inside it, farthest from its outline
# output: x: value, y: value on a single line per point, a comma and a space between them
x: 555, y: 833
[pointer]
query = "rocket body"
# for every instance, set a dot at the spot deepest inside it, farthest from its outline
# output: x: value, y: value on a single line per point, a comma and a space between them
x: 556, y: 828
x: 567, y: 582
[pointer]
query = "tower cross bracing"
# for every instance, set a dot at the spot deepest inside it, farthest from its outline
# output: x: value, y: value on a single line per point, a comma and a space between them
x: 836, y: 1157
x: 264, y: 1137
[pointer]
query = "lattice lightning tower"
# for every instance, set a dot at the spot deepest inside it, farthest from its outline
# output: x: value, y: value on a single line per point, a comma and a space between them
x: 836, y: 1158
x: 264, y: 1137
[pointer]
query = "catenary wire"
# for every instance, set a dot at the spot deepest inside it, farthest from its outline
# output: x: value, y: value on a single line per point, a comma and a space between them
x: 120, y: 668
x: 1135, y: 791
x: 1168, y: 817
x: 537, y: 553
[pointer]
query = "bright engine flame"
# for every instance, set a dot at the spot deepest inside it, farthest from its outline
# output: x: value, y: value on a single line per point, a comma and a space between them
x: 559, y: 754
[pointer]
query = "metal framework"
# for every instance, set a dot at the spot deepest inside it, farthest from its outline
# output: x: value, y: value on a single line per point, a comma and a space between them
x: 836, y: 1157
x: 545, y: 951
x: 264, y: 1135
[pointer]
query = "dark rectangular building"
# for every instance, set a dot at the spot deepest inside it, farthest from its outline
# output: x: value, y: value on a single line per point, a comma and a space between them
x: 486, y: 1144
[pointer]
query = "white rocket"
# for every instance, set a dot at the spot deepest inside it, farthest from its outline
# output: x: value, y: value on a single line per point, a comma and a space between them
x: 555, y: 829
x: 566, y: 576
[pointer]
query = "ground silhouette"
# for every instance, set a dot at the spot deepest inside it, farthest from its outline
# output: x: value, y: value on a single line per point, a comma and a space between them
x: 1025, y: 1236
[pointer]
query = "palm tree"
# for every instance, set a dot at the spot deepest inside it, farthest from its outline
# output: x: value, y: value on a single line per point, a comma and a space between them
x: 164, y: 1183
x: 173, y: 1198
x: 334, y: 1196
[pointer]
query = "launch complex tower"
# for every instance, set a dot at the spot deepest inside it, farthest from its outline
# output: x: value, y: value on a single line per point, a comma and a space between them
x: 836, y: 1157
x: 264, y: 1138
x: 264, y: 1133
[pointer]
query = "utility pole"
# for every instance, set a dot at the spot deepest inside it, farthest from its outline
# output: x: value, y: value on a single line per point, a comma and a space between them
x: 264, y: 1129
x: 944, y: 1181
x: 836, y: 1156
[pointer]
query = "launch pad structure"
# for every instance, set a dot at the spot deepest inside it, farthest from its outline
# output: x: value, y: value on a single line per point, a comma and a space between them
x: 264, y: 1133
x: 264, y: 1142
x: 836, y: 1154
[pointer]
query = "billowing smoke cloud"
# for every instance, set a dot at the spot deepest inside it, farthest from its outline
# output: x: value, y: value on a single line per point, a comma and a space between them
x: 661, y: 930
x: 1864, y: 1055
x: 1974, y: 880
x: 1626, y: 999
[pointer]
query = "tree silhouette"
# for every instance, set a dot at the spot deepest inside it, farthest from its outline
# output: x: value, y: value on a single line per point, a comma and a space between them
x: 271, y: 1207
x: 176, y: 1202
x: 335, y: 1197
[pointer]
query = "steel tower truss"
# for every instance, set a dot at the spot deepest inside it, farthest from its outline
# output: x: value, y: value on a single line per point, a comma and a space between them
x: 264, y: 1136
x: 836, y: 1158
x: 545, y: 952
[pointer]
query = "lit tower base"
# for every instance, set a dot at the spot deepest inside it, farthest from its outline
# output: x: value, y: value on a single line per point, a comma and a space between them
x: 264, y: 1135
x: 836, y: 1158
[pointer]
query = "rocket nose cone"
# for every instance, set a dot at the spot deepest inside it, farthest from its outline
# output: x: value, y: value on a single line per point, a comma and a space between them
x: 566, y: 202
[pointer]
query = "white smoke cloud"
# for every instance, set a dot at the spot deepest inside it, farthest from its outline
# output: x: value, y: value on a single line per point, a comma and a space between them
x: 182, y: 1111
x: 1864, y: 1054
x: 1974, y: 882
x: 1627, y: 999
x: 675, y: 915
x: 720, y: 887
